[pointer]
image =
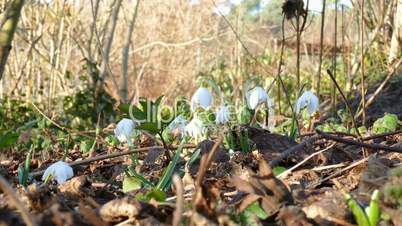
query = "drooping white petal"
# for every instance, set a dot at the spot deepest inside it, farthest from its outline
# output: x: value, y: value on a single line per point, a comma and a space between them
x: 222, y: 115
x: 177, y: 126
x: 60, y: 170
x: 124, y: 129
x: 308, y: 100
x: 258, y: 96
x: 195, y: 127
x: 201, y: 98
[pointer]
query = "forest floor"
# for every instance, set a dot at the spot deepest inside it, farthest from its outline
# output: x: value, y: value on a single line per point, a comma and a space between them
x: 219, y: 186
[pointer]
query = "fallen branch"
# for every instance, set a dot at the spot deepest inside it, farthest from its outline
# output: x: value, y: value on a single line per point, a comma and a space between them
x: 112, y: 155
x: 358, y: 143
x: 293, y: 150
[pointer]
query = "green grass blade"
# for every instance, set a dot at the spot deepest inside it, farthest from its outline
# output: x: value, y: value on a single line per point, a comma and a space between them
x: 167, y: 176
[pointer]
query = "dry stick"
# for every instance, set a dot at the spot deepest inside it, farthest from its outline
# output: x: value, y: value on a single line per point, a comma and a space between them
x: 358, y: 143
x: 321, y: 47
x: 352, y: 135
x: 293, y: 150
x: 321, y: 168
x: 70, y: 131
x: 363, y: 88
x: 299, y: 30
x: 284, y: 174
x: 178, y: 184
x: 8, y: 190
x: 354, y: 164
x: 346, y: 103
x: 298, y: 34
x: 204, y: 165
x: 112, y: 155
x: 381, y: 135
x: 67, y: 130
x: 208, y: 161
x: 381, y: 87
x: 334, y: 53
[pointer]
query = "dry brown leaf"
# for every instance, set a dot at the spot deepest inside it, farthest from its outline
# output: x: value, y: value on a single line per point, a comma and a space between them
x: 124, y: 208
x: 118, y: 209
x: 91, y: 216
x: 273, y: 194
x: 294, y: 216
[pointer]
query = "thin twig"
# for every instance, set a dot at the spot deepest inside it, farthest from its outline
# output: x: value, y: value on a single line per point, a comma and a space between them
x: 381, y: 135
x: 284, y: 174
x: 358, y: 143
x: 321, y: 48
x: 8, y: 190
x: 208, y: 161
x: 112, y: 155
x: 178, y: 212
x: 287, y: 96
x: 381, y: 87
x: 321, y: 168
x: 204, y: 165
x: 334, y: 55
x: 346, y: 103
x: 339, y: 172
x: 285, y: 154
x: 363, y: 88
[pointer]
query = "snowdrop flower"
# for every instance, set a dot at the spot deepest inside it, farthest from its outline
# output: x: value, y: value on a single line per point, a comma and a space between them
x: 201, y: 98
x: 60, y: 170
x: 258, y: 96
x: 124, y: 130
x: 309, y: 100
x: 177, y: 126
x: 195, y: 128
x: 222, y: 115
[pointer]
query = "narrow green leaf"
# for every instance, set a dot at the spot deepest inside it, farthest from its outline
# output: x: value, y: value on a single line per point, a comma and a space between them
x: 358, y: 212
x: 167, y: 175
x: 373, y: 211
x: 149, y: 127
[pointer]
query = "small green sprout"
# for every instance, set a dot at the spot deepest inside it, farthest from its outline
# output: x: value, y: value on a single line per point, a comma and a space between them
x: 368, y: 216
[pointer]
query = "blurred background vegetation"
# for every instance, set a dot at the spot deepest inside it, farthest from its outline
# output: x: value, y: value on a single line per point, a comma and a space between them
x: 76, y: 60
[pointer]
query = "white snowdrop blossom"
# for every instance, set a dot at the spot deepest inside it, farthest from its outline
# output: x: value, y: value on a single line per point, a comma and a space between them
x: 258, y: 96
x: 177, y: 126
x: 195, y: 128
x: 309, y: 100
x: 201, y: 98
x: 124, y: 130
x: 60, y: 171
x: 222, y: 115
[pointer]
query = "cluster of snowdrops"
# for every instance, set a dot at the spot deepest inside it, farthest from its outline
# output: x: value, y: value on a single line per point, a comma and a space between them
x: 197, y: 128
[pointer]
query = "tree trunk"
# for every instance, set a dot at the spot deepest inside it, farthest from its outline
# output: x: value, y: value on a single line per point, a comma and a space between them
x: 7, y: 29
